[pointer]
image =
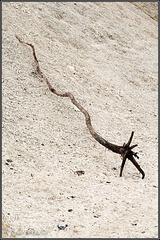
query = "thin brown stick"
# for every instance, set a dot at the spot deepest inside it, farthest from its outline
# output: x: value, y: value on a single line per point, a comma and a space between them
x: 124, y: 150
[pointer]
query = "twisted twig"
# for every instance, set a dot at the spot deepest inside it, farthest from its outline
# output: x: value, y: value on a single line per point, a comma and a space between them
x: 124, y: 150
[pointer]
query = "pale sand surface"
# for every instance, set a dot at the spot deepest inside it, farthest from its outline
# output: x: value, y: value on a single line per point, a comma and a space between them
x: 106, y: 54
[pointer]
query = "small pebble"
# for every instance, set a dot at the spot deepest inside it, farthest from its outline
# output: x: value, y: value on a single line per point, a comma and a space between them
x: 30, y: 231
x: 114, y: 168
x: 70, y: 210
x: 9, y: 160
x: 62, y: 225
x: 71, y: 68
x: 80, y: 172
x: 96, y: 216
x: 72, y: 196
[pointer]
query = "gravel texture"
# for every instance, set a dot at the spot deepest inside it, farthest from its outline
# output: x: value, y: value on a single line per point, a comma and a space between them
x: 106, y: 55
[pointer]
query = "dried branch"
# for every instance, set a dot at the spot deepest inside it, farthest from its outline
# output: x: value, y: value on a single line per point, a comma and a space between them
x: 125, y: 150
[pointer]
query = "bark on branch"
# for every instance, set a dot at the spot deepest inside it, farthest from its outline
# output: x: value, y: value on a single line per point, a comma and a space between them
x: 124, y: 150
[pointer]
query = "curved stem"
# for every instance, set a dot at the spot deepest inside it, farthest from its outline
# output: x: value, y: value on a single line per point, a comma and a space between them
x: 124, y: 150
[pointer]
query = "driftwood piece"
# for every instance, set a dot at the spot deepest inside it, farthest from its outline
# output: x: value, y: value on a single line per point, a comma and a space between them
x: 124, y: 150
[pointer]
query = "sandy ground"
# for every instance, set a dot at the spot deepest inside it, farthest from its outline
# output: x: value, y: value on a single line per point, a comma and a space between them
x: 106, y: 54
